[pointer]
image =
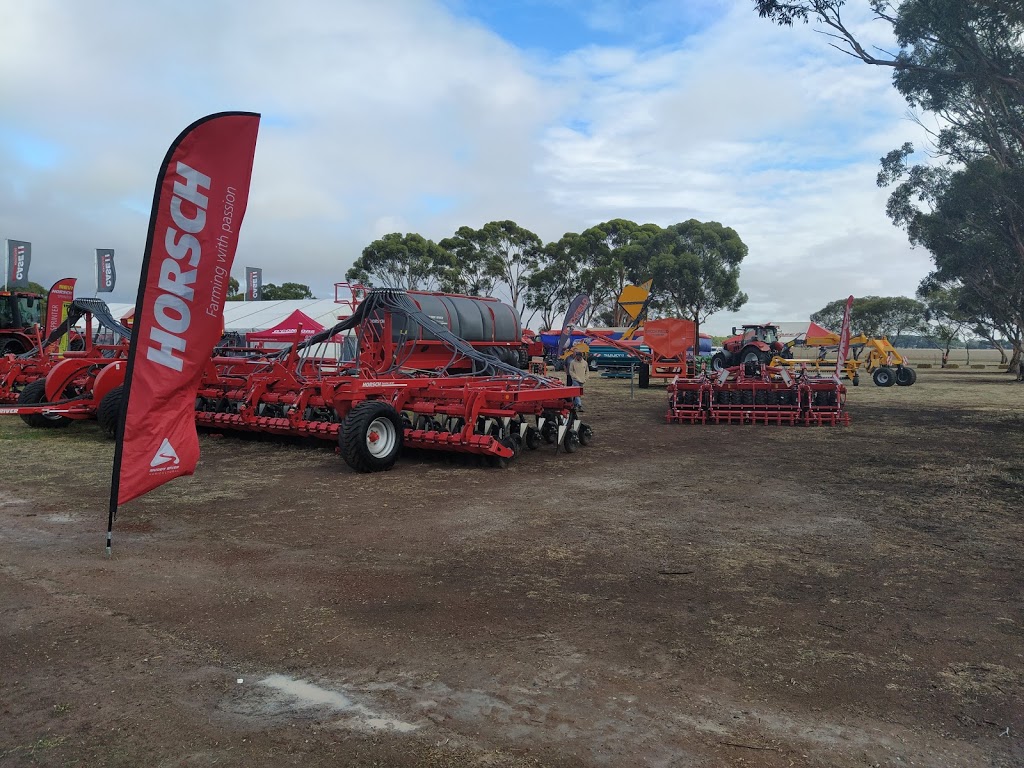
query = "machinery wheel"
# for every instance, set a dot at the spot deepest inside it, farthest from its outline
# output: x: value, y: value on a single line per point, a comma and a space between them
x: 109, y: 413
x: 753, y: 355
x: 76, y: 344
x: 549, y: 431
x: 586, y: 434
x: 502, y: 462
x: 905, y: 377
x: 10, y: 347
x: 533, y: 439
x: 884, y: 376
x: 644, y: 376
x: 856, y: 379
x: 718, y: 362
x: 370, y: 437
x: 571, y: 442
x: 36, y: 393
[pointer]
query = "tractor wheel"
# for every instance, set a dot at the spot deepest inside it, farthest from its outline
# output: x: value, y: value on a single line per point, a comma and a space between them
x: 10, y: 347
x: 856, y: 379
x: 33, y: 394
x: 644, y: 376
x: 586, y: 434
x: 884, y: 376
x: 718, y: 361
x: 109, y: 413
x: 371, y: 437
x: 571, y: 442
x: 753, y: 355
x: 905, y: 377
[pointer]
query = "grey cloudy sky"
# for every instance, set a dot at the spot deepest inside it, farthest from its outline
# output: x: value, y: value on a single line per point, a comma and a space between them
x: 422, y: 116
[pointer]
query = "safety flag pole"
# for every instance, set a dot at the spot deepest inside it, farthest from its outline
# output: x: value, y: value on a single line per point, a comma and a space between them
x: 201, y: 194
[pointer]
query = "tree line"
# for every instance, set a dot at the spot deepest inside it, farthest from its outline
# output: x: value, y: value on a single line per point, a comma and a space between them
x: 961, y: 62
x: 695, y: 266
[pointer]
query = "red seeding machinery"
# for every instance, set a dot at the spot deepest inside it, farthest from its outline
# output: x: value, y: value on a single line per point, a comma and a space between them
x: 50, y: 390
x: 753, y: 393
x: 411, y: 380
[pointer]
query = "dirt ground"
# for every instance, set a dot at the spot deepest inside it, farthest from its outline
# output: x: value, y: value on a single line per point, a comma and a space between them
x: 671, y: 595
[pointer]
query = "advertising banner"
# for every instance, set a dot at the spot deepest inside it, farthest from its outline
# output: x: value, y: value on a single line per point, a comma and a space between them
x: 105, y: 274
x: 253, y: 284
x: 573, y: 317
x: 58, y: 300
x: 18, y: 258
x: 200, y: 200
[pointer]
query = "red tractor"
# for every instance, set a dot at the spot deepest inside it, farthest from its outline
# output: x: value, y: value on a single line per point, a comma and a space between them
x: 756, y: 344
x: 20, y: 312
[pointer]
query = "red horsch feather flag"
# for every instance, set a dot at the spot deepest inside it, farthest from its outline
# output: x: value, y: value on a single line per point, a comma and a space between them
x: 200, y: 199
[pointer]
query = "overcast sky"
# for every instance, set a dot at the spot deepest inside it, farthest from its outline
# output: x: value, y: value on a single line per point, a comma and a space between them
x: 426, y: 115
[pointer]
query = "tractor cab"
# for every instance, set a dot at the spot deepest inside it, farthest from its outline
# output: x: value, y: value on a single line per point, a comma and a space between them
x: 19, y: 311
x: 766, y: 334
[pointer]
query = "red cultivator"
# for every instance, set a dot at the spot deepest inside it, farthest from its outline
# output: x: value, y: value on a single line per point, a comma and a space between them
x: 411, y: 382
x: 756, y: 394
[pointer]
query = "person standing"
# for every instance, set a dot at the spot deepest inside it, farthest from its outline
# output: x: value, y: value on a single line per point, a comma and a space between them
x: 578, y: 371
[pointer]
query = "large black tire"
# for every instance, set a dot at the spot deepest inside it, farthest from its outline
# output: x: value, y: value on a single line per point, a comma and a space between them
x: 884, y: 376
x: 370, y: 437
x: 753, y: 355
x: 905, y: 377
x: 36, y: 393
x: 644, y: 376
x: 719, y: 361
x: 11, y: 347
x: 109, y: 413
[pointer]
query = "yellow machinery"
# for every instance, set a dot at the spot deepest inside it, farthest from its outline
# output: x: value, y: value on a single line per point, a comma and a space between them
x: 877, y: 357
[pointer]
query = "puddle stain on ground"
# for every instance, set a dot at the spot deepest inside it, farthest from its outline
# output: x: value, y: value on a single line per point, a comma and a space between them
x: 310, y: 696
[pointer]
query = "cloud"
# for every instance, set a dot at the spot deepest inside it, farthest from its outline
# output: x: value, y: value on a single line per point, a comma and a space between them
x: 416, y: 116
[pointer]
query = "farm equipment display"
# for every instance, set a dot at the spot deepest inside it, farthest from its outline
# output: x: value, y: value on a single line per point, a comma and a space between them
x: 876, y: 356
x: 51, y: 390
x: 753, y: 393
x: 664, y: 352
x: 413, y: 383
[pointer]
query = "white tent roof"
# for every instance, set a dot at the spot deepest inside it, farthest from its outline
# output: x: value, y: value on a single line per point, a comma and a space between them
x: 242, y: 316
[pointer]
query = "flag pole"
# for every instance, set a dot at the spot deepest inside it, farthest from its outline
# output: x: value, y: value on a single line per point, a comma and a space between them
x: 115, y: 477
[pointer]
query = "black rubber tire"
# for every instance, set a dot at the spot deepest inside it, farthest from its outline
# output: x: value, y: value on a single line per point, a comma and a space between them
x: 10, y: 347
x: 586, y: 434
x: 34, y: 393
x: 884, y: 376
x: 571, y: 442
x: 353, y: 437
x: 644, y: 376
x: 549, y: 431
x: 719, y: 361
x: 533, y: 439
x: 905, y: 377
x: 753, y: 355
x: 76, y: 344
x: 108, y: 415
x: 856, y: 379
